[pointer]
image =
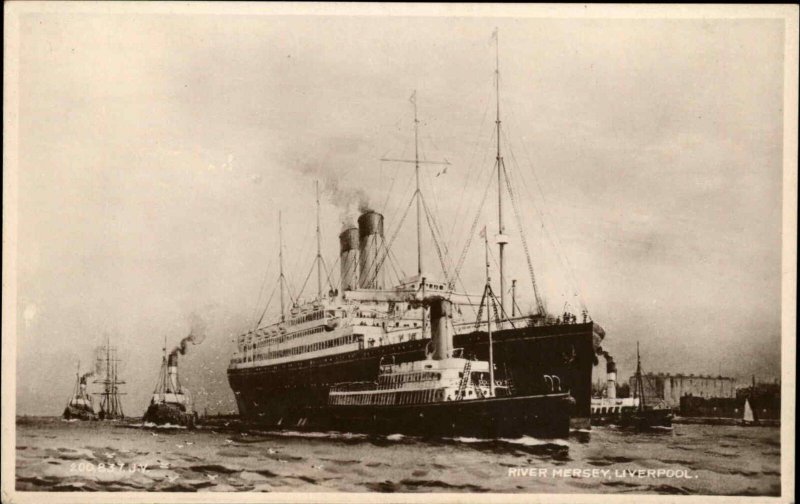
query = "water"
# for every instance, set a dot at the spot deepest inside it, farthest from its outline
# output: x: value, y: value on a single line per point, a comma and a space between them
x: 55, y: 455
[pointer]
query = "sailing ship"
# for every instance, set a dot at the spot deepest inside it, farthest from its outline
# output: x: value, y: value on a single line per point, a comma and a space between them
x: 645, y: 416
x: 170, y: 403
x: 110, y: 403
x: 80, y: 406
x: 282, y: 372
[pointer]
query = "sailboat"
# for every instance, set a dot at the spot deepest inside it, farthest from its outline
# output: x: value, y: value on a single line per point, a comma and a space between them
x: 80, y: 405
x: 748, y: 418
x: 644, y: 416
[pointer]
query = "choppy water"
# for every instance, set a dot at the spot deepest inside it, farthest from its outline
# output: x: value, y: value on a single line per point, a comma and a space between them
x: 54, y: 455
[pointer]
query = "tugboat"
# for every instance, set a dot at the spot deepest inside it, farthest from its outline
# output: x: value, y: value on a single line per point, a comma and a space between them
x: 80, y: 405
x: 170, y: 404
x: 446, y: 395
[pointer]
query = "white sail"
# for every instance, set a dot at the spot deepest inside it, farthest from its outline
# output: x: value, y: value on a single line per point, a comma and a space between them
x: 748, y: 411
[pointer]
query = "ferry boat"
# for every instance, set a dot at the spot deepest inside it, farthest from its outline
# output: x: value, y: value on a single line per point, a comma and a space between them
x: 446, y: 395
x: 282, y: 370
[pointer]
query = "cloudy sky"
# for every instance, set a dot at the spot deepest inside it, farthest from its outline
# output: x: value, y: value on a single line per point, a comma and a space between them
x: 155, y: 152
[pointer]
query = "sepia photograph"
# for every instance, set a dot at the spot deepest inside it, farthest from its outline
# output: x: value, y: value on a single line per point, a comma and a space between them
x: 398, y: 253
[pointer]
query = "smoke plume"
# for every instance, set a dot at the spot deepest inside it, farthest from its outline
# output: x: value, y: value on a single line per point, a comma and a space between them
x: 347, y: 199
x: 611, y: 366
x: 197, y: 333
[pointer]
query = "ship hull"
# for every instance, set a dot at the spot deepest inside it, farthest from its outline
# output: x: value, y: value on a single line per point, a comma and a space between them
x: 73, y: 412
x: 544, y: 416
x: 169, y: 414
x: 283, y: 395
x: 638, y: 420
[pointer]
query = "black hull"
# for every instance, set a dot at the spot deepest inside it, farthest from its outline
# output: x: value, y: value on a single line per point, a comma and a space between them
x: 506, y: 417
x: 282, y: 395
x: 71, y: 412
x: 639, y: 420
x: 172, y: 414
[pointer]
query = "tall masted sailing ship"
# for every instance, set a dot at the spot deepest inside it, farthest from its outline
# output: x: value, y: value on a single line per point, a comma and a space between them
x: 297, y: 371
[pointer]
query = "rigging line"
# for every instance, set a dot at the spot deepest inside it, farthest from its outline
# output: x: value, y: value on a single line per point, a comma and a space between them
x: 378, y: 264
x: 435, y: 241
x: 458, y: 229
x: 399, y: 266
x: 471, y: 165
x: 298, y: 260
x: 518, y: 215
x: 471, y: 234
x: 391, y: 186
x: 427, y: 177
x: 268, y: 303
x: 261, y: 290
x: 327, y: 273
x: 392, y: 264
x: 557, y: 246
x: 310, y: 270
x: 405, y: 189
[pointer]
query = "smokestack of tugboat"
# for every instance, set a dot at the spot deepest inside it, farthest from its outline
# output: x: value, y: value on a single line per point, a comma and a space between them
x: 370, y: 233
x: 348, y: 258
x: 442, y: 339
x: 172, y: 373
x: 611, y: 376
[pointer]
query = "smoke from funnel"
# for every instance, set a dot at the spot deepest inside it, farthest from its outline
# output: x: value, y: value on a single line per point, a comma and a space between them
x: 197, y: 333
x: 350, y: 201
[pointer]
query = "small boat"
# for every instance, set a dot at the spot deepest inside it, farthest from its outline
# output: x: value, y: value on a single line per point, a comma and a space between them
x: 80, y: 405
x: 646, y: 417
x: 640, y: 415
x: 748, y: 418
x: 170, y: 404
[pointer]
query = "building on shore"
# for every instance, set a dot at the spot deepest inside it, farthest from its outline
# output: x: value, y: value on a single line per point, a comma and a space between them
x: 670, y: 388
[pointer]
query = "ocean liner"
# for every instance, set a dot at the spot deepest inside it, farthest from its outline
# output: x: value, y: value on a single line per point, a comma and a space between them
x: 282, y: 373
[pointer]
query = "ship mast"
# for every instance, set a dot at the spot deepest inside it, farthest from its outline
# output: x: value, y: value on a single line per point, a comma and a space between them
x: 639, y: 381
x: 487, y: 294
x: 281, y: 280
x: 319, y: 253
x: 501, y: 238
x: 417, y: 192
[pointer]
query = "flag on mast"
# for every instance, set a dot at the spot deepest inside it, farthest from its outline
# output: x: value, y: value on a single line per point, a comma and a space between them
x: 413, y: 98
x: 483, y: 232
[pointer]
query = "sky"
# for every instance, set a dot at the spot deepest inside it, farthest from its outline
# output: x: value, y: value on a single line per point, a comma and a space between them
x: 155, y: 152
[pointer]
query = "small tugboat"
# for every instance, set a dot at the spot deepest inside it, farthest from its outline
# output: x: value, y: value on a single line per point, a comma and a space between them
x: 170, y: 404
x: 80, y: 405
